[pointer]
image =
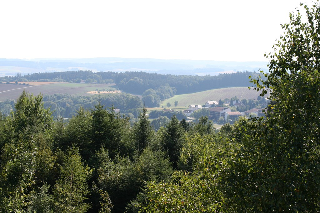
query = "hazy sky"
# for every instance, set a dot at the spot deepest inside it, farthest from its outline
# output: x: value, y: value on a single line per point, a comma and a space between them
x: 237, y: 30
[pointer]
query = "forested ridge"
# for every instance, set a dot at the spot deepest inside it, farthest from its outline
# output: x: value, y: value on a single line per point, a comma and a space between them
x: 99, y: 162
x: 153, y: 87
x: 139, y: 82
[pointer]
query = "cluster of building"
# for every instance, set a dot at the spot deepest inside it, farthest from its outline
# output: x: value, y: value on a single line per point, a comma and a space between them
x: 216, y: 112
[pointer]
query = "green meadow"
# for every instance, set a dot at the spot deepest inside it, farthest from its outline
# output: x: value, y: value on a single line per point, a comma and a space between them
x: 201, y: 98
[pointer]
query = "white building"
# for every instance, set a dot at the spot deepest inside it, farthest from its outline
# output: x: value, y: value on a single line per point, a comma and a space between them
x: 195, y: 107
x: 211, y: 103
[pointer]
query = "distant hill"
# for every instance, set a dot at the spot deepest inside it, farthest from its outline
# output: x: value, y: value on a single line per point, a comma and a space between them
x: 10, y: 67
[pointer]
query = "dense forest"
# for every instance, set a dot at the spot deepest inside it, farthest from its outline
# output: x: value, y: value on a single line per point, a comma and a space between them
x: 99, y: 162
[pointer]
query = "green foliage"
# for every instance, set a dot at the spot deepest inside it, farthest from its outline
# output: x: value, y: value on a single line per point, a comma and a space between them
x: 29, y: 112
x: 89, y: 131
x: 41, y: 201
x: 152, y: 166
x: 193, y: 191
x: 200, y: 113
x: 71, y: 188
x: 142, y: 132
x: 66, y: 106
x: 159, y: 122
x: 116, y: 177
x: 153, y: 96
x: 186, y: 194
x: 108, y: 129
x: 264, y: 165
x: 76, y: 133
x: 29, y: 118
x: 169, y: 114
x: 18, y: 167
x: 185, y: 125
x: 172, y: 139
x: 277, y: 166
x: 256, y: 165
x: 27, y: 162
x: 193, y: 150
x: 203, y: 126
x: 150, y: 98
x: 106, y: 204
x: 123, y: 178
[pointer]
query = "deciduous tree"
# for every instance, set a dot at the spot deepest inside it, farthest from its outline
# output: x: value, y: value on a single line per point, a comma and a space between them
x: 279, y: 156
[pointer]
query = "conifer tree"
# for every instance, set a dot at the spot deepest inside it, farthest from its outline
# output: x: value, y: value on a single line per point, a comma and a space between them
x: 172, y: 140
x: 142, y: 132
x: 108, y: 130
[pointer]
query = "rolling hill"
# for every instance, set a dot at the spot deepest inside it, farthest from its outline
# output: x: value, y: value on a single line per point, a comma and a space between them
x: 216, y: 94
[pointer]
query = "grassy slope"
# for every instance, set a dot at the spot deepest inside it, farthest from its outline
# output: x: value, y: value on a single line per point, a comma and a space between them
x: 215, y: 95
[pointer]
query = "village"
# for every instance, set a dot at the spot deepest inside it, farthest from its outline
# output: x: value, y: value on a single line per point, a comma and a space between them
x: 228, y: 111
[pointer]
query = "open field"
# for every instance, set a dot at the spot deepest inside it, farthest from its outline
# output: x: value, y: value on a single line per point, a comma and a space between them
x: 13, y: 91
x: 104, y: 92
x: 38, y: 83
x: 215, y: 95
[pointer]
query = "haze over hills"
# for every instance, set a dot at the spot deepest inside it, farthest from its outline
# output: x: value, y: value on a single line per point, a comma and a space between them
x: 9, y: 67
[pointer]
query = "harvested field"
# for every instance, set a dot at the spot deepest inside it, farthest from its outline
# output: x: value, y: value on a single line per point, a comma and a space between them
x: 13, y: 91
x: 104, y: 92
x: 39, y: 83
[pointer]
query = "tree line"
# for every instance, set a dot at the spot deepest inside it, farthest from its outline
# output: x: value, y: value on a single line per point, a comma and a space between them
x: 139, y: 82
x: 66, y: 106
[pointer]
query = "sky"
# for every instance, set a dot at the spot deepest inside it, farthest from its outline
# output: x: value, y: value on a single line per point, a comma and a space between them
x: 219, y: 30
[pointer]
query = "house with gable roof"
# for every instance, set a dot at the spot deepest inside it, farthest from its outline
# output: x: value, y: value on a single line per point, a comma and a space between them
x: 191, y: 109
x: 217, y: 112
x: 233, y: 116
x: 211, y: 103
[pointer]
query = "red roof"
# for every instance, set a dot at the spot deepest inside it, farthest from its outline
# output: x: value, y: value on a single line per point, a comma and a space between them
x: 253, y: 110
x: 218, y: 109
